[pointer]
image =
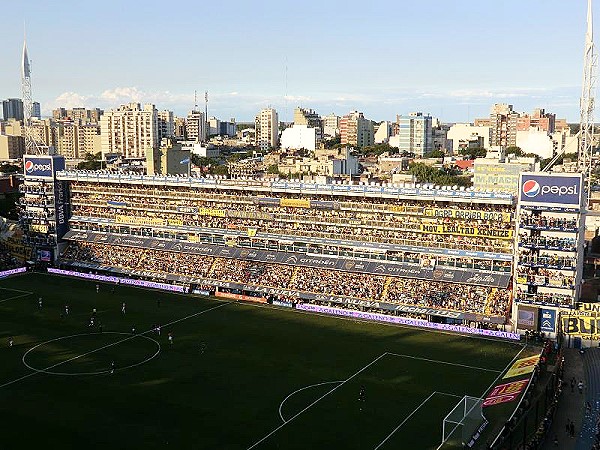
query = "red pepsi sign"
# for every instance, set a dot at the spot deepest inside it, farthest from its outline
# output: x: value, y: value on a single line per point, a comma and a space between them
x: 551, y: 188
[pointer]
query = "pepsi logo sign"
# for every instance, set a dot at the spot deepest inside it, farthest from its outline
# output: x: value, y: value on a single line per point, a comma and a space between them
x: 31, y: 167
x: 531, y: 188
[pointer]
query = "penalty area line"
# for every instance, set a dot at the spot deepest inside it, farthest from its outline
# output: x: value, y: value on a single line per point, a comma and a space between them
x: 317, y: 400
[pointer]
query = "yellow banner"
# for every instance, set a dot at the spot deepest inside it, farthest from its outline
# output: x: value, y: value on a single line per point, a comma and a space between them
x: 252, y: 232
x: 491, y: 216
x: 582, y: 324
x: 295, y: 203
x: 193, y: 238
x: 140, y: 220
x: 466, y: 231
x: 39, y: 228
x: 522, y: 366
x: 211, y: 212
x: 175, y: 222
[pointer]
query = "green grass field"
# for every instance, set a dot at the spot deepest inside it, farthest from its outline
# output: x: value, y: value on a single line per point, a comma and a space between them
x: 238, y: 376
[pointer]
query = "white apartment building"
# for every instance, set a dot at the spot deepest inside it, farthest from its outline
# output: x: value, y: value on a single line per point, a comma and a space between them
x: 266, y: 125
x: 300, y: 136
x: 129, y: 130
x: 195, y: 126
x: 331, y: 126
x: 461, y: 133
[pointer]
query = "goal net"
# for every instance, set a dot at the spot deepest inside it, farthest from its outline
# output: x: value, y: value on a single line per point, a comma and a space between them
x: 463, y: 422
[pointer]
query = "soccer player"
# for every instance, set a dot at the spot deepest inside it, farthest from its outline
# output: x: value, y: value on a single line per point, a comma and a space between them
x: 123, y: 306
x: 40, y: 302
x: 133, y: 329
x: 361, y: 397
x: 10, y: 341
x: 170, y: 337
x: 66, y: 310
x: 112, y: 367
x: 97, y: 288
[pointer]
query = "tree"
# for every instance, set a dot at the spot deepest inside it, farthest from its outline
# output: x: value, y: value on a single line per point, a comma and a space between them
x: 443, y: 176
x: 517, y: 151
x: 9, y: 168
x: 273, y: 169
x: 476, y: 152
x: 437, y: 153
x: 91, y: 162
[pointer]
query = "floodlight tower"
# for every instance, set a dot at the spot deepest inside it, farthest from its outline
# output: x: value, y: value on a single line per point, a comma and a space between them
x: 588, y: 94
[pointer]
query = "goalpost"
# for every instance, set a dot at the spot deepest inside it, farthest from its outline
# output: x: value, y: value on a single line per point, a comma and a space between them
x: 463, y: 422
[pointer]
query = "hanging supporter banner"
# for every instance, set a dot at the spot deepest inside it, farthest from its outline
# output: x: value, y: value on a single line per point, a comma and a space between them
x: 119, y: 218
x: 465, y: 231
x: 246, y: 298
x: 505, y: 393
x: 589, y: 307
x: 295, y: 203
x: 522, y: 366
x: 175, y: 222
x: 211, y: 212
x: 491, y: 216
x: 581, y: 324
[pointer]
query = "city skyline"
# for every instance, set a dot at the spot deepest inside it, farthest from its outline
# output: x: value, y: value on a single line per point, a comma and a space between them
x: 448, y: 60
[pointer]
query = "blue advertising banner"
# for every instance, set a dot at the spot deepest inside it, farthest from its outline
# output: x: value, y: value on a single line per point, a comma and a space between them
x: 548, y: 320
x: 548, y: 188
x: 37, y: 166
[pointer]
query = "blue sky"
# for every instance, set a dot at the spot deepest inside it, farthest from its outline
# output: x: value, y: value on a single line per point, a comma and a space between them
x: 450, y: 59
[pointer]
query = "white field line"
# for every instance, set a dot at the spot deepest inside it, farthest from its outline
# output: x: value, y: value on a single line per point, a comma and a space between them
x: 15, y: 290
x: 300, y: 390
x: 15, y: 297
x: 416, y: 409
x: 114, y: 343
x: 405, y: 420
x: 317, y: 401
x: 445, y: 362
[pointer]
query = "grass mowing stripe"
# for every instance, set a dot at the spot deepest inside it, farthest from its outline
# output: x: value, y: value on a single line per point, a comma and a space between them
x: 114, y: 343
x: 445, y: 362
x: 317, y: 400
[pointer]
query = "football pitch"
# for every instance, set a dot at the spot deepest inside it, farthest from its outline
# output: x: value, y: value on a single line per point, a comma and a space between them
x: 236, y: 376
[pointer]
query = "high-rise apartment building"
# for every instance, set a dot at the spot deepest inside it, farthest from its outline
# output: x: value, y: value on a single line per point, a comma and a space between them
x: 129, y: 130
x: 331, y: 126
x: 356, y: 130
x: 503, y: 125
x: 179, y: 128
x: 12, y: 108
x: 84, y: 115
x: 308, y: 117
x: 195, y: 126
x: 76, y: 139
x: 36, y: 110
x: 166, y: 125
x: 413, y: 134
x: 539, y: 120
x: 44, y: 131
x: 266, y: 124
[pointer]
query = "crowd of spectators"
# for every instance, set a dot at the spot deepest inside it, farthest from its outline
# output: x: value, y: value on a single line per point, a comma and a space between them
x: 534, y: 259
x: 458, y: 297
x: 544, y: 298
x: 543, y: 277
x: 547, y: 241
x: 365, y: 219
x: 538, y: 220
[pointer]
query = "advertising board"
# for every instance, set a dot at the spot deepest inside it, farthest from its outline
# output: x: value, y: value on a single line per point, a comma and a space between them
x: 550, y: 189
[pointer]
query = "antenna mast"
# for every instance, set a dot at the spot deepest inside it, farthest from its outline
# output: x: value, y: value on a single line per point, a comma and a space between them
x: 32, y: 147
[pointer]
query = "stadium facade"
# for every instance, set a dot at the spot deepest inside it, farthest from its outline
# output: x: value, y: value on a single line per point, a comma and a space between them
x: 437, y: 255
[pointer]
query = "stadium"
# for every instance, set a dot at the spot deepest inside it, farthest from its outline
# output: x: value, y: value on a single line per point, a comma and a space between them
x: 411, y: 298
